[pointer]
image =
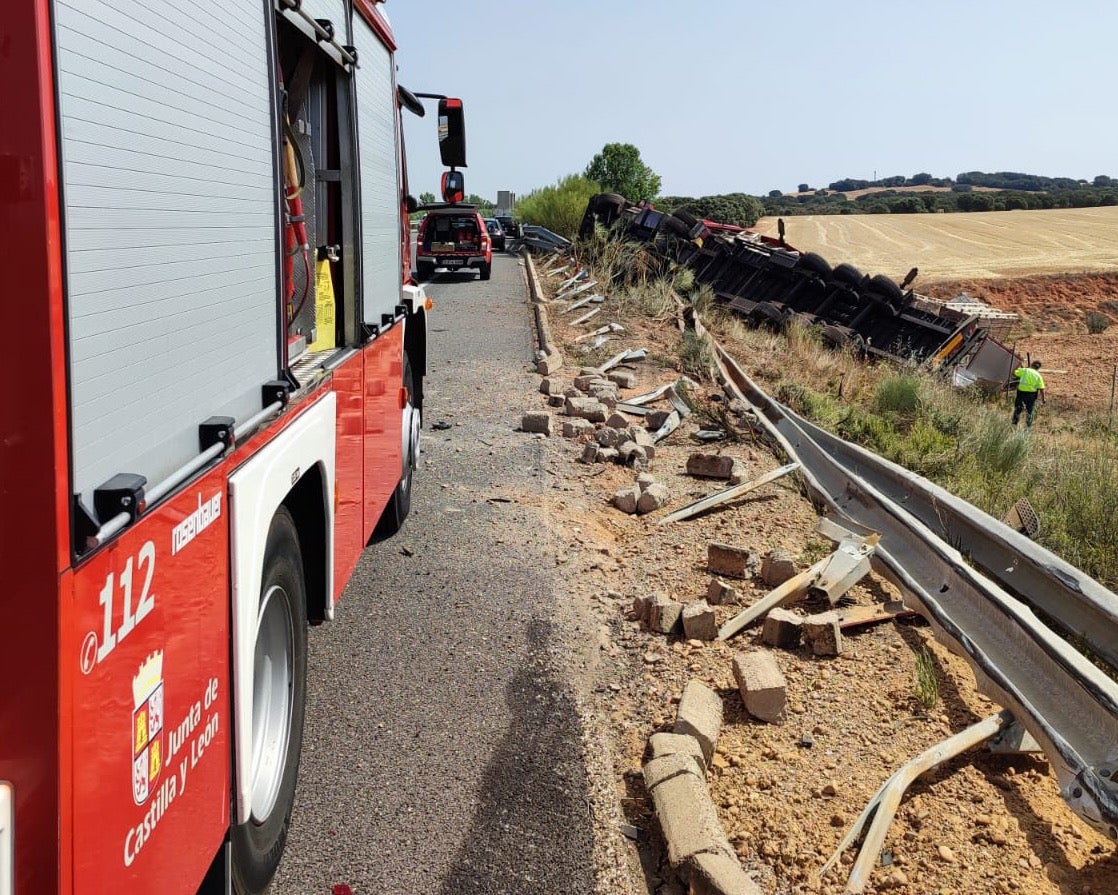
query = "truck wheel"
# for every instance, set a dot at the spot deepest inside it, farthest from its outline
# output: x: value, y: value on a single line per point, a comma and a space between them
x: 425, y: 269
x: 816, y: 264
x: 279, y: 692
x: 883, y: 285
x: 486, y: 271
x: 686, y: 216
x: 399, y: 505
x: 849, y: 274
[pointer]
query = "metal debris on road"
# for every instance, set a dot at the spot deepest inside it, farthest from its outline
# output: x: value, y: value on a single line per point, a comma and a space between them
x: 586, y: 317
x: 793, y: 589
x: 727, y: 494
x: 882, y: 808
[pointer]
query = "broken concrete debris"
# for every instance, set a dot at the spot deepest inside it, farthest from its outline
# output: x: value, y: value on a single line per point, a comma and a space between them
x: 777, y: 567
x: 686, y: 813
x: 632, y: 453
x: 700, y: 715
x: 664, y: 616
x: 536, y: 421
x: 652, y: 498
x: 823, y: 633
x: 761, y: 684
x: 623, y: 378
x: 733, y: 562
x: 699, y: 622
x: 783, y: 628
x: 625, y: 499
x: 663, y: 744
x: 576, y: 427
x: 587, y: 408
x: 710, y: 466
x: 719, y: 593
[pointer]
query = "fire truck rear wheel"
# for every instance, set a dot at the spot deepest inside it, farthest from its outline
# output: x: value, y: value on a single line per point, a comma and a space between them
x: 486, y: 271
x: 279, y: 690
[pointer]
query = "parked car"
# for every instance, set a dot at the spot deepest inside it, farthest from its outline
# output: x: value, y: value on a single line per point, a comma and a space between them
x: 454, y: 238
x: 496, y: 234
x: 509, y: 224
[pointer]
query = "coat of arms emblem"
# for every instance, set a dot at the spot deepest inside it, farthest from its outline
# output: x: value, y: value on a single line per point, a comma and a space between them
x: 147, y: 727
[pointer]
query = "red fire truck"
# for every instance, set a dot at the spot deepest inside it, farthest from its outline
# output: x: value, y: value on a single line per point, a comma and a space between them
x: 213, y: 402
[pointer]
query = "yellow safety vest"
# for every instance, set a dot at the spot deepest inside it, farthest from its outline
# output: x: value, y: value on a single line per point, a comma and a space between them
x: 1028, y: 379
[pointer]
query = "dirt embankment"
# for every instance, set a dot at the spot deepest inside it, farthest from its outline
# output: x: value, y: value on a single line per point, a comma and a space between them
x: 1058, y: 302
x: 1053, y: 329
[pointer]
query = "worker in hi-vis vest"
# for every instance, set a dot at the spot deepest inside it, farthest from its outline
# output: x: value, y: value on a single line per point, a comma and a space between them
x: 1029, y: 384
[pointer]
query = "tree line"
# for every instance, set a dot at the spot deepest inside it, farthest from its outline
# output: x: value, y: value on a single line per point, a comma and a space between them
x: 619, y: 168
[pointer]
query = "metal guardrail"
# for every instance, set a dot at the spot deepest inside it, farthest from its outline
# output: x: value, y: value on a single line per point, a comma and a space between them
x: 1068, y: 705
x: 1078, y: 604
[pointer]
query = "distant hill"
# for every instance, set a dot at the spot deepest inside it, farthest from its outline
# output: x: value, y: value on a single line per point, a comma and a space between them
x: 922, y: 193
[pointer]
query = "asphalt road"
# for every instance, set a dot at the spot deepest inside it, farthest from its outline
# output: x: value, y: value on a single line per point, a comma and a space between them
x: 441, y: 752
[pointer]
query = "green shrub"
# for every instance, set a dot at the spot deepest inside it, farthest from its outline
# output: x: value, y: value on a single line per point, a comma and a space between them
x: 927, y: 450
x: 901, y: 394
x: 560, y: 207
x: 926, y: 687
x: 870, y: 430
x: 1078, y: 506
x: 1096, y: 322
x: 696, y: 357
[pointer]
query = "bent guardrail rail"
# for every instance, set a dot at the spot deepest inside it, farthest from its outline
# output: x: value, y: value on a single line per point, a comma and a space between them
x: 1068, y: 704
x: 1076, y: 602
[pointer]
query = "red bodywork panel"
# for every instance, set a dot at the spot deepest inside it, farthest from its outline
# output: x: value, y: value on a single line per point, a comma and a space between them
x: 383, y: 438
x: 147, y: 647
x: 33, y: 456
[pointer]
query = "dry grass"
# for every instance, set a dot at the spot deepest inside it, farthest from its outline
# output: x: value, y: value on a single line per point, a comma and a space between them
x: 962, y: 246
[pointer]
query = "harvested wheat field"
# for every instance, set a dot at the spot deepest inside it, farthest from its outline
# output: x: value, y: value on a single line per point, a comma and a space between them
x: 978, y: 245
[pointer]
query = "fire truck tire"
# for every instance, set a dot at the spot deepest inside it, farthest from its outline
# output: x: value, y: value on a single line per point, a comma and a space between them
x: 486, y: 271
x: 399, y: 505
x: 425, y: 270
x: 279, y: 697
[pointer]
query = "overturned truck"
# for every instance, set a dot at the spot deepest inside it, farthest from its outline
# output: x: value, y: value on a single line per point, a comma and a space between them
x: 771, y: 284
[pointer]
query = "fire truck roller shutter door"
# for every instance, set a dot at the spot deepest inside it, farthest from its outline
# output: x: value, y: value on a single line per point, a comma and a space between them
x: 170, y: 229
x: 381, y: 235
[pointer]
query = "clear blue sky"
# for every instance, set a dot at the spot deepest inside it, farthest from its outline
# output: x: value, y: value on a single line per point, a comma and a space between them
x: 737, y: 96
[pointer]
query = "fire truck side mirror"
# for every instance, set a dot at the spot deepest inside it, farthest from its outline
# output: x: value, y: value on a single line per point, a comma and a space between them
x: 454, y: 187
x: 411, y: 203
x: 452, y: 133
